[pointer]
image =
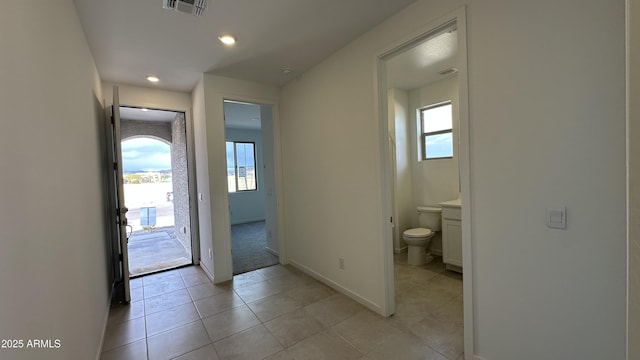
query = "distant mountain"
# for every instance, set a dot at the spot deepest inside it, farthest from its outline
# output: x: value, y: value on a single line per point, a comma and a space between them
x: 147, y: 171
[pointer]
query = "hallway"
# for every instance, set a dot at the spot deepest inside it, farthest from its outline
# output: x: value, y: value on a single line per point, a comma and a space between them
x: 284, y: 314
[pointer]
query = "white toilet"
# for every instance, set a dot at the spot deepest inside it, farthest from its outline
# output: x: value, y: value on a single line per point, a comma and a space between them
x: 419, y: 239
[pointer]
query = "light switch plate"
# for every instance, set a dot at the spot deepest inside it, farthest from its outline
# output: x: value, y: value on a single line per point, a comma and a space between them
x: 557, y: 218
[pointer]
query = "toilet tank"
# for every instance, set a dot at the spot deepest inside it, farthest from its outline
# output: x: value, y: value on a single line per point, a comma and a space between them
x: 430, y: 217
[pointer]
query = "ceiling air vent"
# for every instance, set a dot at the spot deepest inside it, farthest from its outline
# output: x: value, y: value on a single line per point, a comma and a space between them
x: 194, y: 7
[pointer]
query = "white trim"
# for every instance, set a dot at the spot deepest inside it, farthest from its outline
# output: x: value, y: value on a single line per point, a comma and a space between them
x: 627, y: 50
x: 436, y: 252
x: 278, y: 181
x: 464, y: 156
x: 247, y: 221
x: 273, y: 252
x: 210, y: 275
x: 400, y: 250
x: 339, y: 288
x: 194, y: 217
x: 380, y: 110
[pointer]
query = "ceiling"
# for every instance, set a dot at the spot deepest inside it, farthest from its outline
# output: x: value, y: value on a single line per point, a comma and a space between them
x: 421, y: 65
x: 143, y: 114
x: 130, y: 39
x: 238, y: 115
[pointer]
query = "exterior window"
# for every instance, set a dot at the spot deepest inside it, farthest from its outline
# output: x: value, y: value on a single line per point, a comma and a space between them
x: 437, y: 131
x: 241, y: 166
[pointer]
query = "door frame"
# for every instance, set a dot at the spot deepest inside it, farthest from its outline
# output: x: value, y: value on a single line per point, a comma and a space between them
x: 117, y: 211
x: 381, y: 111
x: 191, y: 177
x: 277, y: 171
x: 277, y: 178
x: 223, y: 255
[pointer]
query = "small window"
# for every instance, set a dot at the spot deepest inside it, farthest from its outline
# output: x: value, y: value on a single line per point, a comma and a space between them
x: 437, y: 131
x: 241, y: 166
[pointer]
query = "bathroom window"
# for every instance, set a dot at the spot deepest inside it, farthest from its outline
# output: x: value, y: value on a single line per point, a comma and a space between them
x: 241, y: 166
x: 437, y: 131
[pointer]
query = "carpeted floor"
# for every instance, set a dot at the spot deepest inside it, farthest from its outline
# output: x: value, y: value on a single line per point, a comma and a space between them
x: 248, y: 248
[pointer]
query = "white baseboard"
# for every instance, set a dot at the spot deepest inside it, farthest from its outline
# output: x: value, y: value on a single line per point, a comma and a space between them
x: 341, y: 289
x: 400, y: 250
x: 273, y: 252
x: 206, y: 272
x: 246, y: 221
x: 477, y: 357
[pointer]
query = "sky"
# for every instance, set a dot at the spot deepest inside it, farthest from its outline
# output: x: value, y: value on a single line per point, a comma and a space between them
x: 144, y: 154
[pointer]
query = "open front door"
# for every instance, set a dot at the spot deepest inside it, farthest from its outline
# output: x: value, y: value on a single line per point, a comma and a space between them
x: 119, y: 211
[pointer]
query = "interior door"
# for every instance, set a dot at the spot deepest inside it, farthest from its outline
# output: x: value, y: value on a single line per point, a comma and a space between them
x: 119, y: 211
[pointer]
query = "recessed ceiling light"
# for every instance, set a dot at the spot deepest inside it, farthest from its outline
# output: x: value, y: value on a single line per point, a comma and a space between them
x: 153, y: 78
x: 227, y: 39
x: 286, y: 71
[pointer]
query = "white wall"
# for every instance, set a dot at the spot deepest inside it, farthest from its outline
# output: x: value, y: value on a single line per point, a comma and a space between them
x: 138, y: 96
x: 202, y: 177
x: 208, y: 103
x: 270, y: 177
x: 53, y: 262
x: 436, y: 180
x: 399, y: 133
x: 547, y: 128
x: 248, y: 206
x: 547, y: 112
x: 633, y: 301
x: 331, y: 151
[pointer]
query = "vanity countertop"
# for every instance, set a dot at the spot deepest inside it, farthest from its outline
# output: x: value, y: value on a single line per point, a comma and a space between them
x: 452, y: 203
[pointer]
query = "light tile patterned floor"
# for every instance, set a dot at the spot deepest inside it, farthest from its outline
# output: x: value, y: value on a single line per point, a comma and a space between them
x: 280, y: 313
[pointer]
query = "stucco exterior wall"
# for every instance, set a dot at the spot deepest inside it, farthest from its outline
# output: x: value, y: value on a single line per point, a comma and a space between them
x: 180, y: 180
x: 131, y: 128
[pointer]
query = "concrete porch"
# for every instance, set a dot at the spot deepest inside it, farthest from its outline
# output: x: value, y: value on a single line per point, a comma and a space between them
x: 156, y: 250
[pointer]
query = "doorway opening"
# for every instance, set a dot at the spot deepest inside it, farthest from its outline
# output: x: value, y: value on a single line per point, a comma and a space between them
x: 251, y: 185
x: 425, y: 167
x: 156, y: 189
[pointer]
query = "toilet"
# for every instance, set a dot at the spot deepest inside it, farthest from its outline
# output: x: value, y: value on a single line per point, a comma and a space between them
x: 419, y: 239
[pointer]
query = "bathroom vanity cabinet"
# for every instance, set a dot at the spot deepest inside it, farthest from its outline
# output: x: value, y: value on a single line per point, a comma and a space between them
x: 452, y: 235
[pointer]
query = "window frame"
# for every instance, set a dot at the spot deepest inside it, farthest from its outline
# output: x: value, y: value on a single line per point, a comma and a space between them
x: 236, y: 167
x: 424, y: 135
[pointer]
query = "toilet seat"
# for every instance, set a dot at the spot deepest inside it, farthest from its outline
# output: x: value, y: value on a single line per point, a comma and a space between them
x: 417, y: 233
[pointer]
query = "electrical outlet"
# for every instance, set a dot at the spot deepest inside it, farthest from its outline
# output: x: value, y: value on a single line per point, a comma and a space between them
x: 341, y: 263
x: 210, y: 254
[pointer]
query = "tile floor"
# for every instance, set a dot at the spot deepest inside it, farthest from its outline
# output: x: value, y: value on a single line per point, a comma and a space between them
x: 280, y: 313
